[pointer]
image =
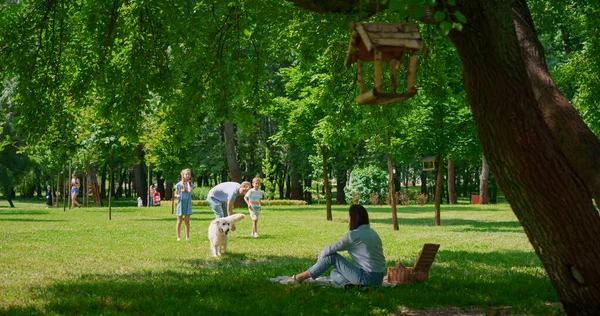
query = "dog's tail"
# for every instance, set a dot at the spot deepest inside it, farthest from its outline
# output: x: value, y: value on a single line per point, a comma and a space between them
x: 235, y: 218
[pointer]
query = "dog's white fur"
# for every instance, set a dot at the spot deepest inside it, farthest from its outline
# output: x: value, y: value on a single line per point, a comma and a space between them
x: 217, y: 233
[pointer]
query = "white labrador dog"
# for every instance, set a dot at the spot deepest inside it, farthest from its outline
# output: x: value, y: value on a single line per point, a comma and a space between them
x: 217, y: 233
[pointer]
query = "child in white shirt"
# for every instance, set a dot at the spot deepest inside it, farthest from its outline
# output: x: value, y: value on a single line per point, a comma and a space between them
x: 253, y: 197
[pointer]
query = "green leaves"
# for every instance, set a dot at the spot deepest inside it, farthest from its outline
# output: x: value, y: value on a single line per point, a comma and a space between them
x: 439, y: 16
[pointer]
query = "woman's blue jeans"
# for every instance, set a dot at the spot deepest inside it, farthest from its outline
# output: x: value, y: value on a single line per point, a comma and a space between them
x: 344, y: 271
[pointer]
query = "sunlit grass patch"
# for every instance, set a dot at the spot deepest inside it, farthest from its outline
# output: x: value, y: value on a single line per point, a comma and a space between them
x: 79, y: 262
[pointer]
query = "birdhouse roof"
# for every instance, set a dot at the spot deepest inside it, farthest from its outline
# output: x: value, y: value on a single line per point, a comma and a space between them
x: 392, y: 40
x: 429, y: 158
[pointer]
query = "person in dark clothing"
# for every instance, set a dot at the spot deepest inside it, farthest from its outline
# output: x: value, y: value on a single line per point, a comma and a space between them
x: 49, y: 197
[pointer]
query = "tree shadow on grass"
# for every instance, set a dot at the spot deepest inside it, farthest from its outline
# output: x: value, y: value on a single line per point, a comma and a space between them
x: 429, y: 208
x: 238, y: 284
x: 29, y: 220
x: 472, y: 225
x: 22, y: 212
x: 170, y: 219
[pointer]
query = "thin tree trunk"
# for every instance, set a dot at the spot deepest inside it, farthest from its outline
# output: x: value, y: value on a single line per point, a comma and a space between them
x: 438, y: 192
x: 119, y: 189
x: 140, y: 177
x: 451, y: 183
x: 57, y: 189
x: 340, y: 196
x: 232, y: 163
x: 307, y: 193
x: 93, y: 183
x: 483, y: 181
x: 423, y: 183
x: 103, y: 181
x: 169, y: 191
x: 392, y: 192
x: 325, y: 154
x: 110, y: 188
x: 160, y: 183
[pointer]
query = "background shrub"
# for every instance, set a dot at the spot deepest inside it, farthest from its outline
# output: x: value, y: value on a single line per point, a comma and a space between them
x: 421, y: 199
x: 366, y: 181
x: 200, y: 193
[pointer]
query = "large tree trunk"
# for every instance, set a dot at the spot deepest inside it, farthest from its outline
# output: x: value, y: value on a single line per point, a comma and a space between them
x: 140, y: 175
x: 550, y: 200
x: 484, y: 194
x: 578, y: 143
x: 451, y: 183
x: 526, y: 155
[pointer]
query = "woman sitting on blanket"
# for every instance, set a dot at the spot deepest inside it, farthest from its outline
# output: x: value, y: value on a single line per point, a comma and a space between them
x: 363, y: 245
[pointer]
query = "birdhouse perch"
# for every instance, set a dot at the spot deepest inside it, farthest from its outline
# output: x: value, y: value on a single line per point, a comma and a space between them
x: 384, y: 42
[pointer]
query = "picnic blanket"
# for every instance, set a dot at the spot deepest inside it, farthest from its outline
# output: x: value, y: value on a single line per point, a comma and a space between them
x: 323, y: 280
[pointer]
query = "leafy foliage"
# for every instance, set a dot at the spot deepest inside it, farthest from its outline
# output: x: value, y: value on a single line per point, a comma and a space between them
x: 366, y: 181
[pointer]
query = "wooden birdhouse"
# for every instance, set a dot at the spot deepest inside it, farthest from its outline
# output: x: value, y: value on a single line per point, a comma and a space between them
x: 384, y: 42
x: 430, y: 163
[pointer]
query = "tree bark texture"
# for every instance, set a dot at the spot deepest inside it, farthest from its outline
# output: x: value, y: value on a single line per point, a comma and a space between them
x: 484, y: 176
x: 451, y: 183
x: 548, y: 188
x: 549, y: 199
x: 577, y: 142
x: 235, y: 172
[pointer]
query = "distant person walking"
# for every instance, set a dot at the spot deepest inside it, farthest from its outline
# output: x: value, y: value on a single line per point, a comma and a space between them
x: 222, y: 196
x: 183, y: 191
x: 74, y: 190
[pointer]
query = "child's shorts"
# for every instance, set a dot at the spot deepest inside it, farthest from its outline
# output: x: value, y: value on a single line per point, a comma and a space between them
x: 254, y: 213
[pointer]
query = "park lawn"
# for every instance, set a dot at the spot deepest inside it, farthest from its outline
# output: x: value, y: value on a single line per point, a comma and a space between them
x: 79, y: 262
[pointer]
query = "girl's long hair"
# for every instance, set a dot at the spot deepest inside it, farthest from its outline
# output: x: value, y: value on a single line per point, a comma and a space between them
x: 358, y: 216
x: 188, y: 170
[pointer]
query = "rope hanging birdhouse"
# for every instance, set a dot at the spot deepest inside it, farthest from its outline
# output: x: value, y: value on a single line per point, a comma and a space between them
x: 384, y: 42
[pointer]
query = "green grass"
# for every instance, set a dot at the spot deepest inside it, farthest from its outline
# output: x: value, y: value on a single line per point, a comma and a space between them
x: 79, y: 262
